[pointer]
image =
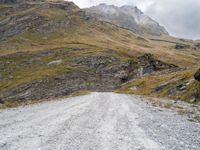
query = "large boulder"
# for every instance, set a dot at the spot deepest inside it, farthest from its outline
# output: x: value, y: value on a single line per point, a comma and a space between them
x: 197, y: 75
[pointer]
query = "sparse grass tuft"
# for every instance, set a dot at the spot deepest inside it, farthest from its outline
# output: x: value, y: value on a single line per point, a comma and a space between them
x: 80, y: 93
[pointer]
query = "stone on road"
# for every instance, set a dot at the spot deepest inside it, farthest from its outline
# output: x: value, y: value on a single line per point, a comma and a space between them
x: 99, y: 121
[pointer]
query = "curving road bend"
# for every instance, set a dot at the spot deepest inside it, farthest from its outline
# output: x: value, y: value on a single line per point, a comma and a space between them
x: 99, y: 121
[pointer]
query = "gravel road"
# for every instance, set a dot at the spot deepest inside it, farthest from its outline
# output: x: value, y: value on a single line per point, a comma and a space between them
x: 99, y: 121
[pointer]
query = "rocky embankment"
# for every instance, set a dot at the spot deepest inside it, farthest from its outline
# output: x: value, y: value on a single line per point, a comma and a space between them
x: 95, y: 73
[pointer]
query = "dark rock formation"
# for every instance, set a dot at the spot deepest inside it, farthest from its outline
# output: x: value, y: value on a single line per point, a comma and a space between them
x: 182, y: 46
x: 96, y: 73
x: 196, y: 97
x: 1, y: 101
x: 197, y: 75
x: 150, y: 64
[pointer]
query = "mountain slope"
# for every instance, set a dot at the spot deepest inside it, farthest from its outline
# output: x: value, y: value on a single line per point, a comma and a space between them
x: 128, y: 17
x: 52, y: 48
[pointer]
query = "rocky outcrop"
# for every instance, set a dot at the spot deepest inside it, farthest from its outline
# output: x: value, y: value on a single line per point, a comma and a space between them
x: 196, y: 97
x: 180, y: 88
x: 128, y: 17
x: 181, y: 46
x: 197, y: 75
x: 100, y: 73
x: 95, y: 73
x: 150, y: 64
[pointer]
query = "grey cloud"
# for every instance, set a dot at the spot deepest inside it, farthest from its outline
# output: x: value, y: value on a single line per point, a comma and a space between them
x: 180, y: 17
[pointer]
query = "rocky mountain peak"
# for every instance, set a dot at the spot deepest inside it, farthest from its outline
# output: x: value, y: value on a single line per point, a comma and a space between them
x: 127, y: 16
x: 131, y: 9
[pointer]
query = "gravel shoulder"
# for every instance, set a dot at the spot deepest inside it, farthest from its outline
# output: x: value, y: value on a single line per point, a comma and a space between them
x: 103, y: 121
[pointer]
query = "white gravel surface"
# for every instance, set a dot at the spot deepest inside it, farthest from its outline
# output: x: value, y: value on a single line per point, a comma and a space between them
x: 99, y: 121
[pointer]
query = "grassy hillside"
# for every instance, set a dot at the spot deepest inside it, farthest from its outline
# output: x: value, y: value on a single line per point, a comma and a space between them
x: 176, y: 85
x: 54, y: 46
x: 88, y: 32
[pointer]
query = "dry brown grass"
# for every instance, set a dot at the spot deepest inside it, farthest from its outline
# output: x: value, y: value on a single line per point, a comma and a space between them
x: 147, y: 85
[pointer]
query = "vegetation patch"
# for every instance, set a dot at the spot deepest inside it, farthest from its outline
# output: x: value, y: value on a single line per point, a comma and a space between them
x: 177, y: 85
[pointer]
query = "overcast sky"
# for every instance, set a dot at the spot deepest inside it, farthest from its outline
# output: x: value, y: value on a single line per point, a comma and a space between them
x: 180, y: 17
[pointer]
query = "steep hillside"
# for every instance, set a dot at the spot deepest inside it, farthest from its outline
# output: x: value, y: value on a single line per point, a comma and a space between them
x: 52, y: 48
x: 128, y: 17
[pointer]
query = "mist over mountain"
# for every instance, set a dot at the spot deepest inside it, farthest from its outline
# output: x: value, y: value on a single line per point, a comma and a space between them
x: 128, y: 17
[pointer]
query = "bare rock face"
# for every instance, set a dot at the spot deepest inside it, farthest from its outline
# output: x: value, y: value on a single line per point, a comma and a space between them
x: 128, y: 17
x: 197, y: 75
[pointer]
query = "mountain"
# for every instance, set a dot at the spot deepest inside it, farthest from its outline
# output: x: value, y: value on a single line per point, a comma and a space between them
x: 128, y: 17
x: 52, y: 49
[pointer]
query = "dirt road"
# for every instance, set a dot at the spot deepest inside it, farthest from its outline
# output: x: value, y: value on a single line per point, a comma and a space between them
x: 99, y: 121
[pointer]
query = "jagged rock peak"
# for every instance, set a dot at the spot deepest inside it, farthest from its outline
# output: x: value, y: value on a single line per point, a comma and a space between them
x: 127, y: 16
